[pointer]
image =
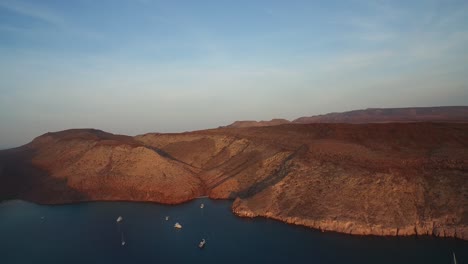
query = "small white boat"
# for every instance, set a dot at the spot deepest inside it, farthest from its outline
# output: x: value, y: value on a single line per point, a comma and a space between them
x: 202, y: 205
x: 202, y: 243
x: 178, y: 226
x: 167, y: 218
x: 119, y: 219
x: 122, y: 239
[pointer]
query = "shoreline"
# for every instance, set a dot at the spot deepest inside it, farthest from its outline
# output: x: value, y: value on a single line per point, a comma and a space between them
x: 352, y: 228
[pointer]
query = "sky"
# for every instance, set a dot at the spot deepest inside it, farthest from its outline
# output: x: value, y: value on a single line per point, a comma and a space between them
x: 132, y: 67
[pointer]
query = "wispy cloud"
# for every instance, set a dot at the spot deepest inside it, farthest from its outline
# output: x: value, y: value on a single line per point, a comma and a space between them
x: 357, y: 61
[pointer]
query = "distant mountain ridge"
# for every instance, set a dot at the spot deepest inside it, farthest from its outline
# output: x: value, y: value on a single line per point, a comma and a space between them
x: 384, y: 115
x: 374, y: 115
x: 251, y: 123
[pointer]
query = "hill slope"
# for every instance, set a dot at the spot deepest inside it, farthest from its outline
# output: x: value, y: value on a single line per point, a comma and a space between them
x: 87, y: 165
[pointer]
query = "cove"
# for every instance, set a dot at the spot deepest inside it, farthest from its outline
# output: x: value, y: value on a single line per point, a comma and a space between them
x: 88, y: 233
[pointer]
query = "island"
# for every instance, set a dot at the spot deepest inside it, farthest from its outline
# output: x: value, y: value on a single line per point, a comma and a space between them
x: 391, y: 179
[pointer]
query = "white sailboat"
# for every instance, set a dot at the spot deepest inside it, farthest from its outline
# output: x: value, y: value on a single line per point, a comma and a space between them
x: 122, y: 239
x: 178, y: 226
x: 202, y: 243
x: 119, y: 222
x: 202, y: 206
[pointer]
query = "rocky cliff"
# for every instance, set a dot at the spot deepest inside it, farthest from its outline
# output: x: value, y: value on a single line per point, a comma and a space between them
x: 382, y: 179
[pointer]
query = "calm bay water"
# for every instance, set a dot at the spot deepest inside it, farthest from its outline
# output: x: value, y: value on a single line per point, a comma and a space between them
x: 88, y: 233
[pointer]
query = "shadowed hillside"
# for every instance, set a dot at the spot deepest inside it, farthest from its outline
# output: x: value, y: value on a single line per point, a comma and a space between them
x: 97, y: 166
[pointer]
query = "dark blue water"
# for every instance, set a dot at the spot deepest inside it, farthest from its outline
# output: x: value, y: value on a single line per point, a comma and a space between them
x: 88, y: 233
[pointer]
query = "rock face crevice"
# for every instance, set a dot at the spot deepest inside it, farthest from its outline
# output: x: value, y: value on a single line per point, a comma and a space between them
x: 279, y: 174
x: 366, y: 179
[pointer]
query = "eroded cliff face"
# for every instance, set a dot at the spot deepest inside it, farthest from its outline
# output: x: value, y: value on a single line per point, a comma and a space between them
x: 365, y: 200
x: 229, y: 164
x: 381, y: 179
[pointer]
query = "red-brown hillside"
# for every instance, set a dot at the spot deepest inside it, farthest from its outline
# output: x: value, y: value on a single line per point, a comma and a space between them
x: 383, y: 179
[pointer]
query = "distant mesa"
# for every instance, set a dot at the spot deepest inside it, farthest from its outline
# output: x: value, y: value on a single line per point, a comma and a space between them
x: 386, y: 115
x: 373, y: 115
x: 251, y: 123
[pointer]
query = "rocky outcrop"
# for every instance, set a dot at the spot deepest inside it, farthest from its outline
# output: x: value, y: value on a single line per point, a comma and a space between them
x: 380, y: 179
x: 437, y: 227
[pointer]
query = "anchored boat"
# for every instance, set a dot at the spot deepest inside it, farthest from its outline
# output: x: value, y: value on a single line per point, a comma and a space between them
x: 202, y: 243
x: 122, y: 239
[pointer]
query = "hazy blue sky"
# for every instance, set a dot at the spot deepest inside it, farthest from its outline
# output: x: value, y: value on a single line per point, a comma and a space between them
x: 140, y: 66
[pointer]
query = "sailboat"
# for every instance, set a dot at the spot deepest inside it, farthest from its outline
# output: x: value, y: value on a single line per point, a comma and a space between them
x: 178, y: 226
x: 122, y: 239
x: 202, y: 205
x: 119, y: 221
x: 202, y: 243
